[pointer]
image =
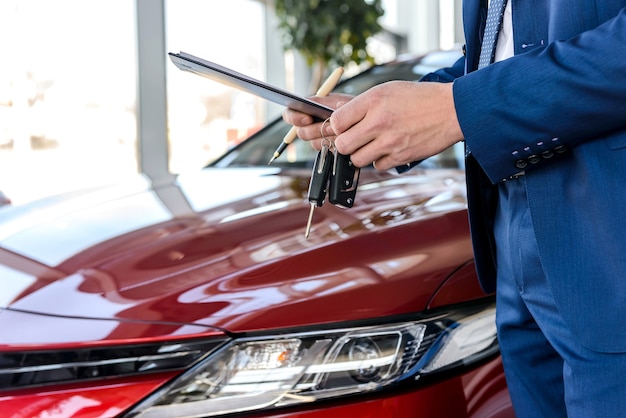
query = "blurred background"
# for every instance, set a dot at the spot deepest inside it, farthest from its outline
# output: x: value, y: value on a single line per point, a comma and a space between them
x: 88, y: 95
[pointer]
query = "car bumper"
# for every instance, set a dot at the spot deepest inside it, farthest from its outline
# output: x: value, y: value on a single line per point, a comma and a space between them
x: 480, y: 392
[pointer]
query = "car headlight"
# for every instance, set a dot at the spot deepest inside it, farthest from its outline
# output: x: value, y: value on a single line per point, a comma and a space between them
x: 296, y: 368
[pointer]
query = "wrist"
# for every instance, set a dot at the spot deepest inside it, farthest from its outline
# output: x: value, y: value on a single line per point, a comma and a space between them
x: 452, y: 126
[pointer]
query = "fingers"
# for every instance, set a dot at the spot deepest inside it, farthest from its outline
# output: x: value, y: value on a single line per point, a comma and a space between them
x: 386, y: 162
x: 310, y: 130
x: 313, y: 132
x: 295, y: 118
x: 334, y: 100
x: 357, y: 126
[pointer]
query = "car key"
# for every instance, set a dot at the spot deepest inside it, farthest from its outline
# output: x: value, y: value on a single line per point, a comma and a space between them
x: 318, y: 186
x: 343, y: 182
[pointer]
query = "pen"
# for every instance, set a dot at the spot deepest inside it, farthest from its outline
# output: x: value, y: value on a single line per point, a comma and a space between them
x: 324, y: 90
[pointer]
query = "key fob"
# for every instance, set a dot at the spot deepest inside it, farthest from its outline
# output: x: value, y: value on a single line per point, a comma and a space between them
x: 318, y: 187
x: 344, y: 182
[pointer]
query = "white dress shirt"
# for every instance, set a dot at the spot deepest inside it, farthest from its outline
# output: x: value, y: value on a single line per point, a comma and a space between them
x: 504, y: 47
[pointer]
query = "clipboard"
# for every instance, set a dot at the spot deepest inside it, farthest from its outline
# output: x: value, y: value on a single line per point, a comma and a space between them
x: 221, y: 74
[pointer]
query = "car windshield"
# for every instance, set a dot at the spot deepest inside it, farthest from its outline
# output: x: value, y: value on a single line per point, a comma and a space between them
x: 258, y: 149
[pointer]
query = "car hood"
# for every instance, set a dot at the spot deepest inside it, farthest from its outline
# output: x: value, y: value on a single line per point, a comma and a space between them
x: 225, y: 249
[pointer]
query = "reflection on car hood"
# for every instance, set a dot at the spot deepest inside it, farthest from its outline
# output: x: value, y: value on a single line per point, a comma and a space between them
x: 225, y: 248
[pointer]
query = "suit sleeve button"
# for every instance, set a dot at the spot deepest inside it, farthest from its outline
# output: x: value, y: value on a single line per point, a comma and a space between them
x: 534, y: 159
x: 560, y: 149
x: 547, y: 154
x: 521, y: 164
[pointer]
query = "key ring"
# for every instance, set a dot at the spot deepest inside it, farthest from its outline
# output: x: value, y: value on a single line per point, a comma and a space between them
x: 325, y: 141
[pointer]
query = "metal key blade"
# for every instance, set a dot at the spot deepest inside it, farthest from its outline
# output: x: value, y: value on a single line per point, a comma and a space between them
x: 318, y: 186
x: 307, y: 231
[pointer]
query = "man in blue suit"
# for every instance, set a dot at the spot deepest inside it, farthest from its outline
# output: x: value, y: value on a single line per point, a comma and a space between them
x: 545, y: 134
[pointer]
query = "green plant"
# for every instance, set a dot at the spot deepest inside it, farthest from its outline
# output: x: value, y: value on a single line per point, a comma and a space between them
x: 329, y: 33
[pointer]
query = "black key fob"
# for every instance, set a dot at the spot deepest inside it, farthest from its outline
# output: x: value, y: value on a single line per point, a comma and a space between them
x: 318, y: 187
x: 344, y: 182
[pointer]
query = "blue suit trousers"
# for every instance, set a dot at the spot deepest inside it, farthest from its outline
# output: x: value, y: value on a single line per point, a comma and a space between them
x: 550, y: 373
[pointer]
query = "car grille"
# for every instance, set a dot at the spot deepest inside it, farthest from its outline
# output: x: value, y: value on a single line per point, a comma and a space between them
x: 34, y: 368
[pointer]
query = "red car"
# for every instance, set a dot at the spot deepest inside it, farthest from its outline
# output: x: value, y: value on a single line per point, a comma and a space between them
x: 203, y: 298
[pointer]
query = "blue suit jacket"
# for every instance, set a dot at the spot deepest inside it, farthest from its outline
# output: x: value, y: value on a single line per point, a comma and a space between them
x: 557, y: 109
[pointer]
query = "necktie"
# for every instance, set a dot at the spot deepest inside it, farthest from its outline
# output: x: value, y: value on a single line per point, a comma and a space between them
x: 492, y: 28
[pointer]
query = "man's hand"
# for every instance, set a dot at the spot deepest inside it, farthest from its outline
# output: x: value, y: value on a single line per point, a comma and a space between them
x: 390, y: 125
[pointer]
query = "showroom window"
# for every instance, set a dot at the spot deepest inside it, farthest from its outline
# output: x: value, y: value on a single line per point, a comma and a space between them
x: 68, y: 89
x: 67, y: 94
x: 205, y: 118
x: 69, y: 85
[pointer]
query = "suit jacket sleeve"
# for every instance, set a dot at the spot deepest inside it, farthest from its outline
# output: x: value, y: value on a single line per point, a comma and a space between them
x: 447, y: 75
x: 554, y: 96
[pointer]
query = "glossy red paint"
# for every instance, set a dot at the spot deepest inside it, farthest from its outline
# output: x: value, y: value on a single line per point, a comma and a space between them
x: 37, y: 332
x: 257, y: 271
x: 101, y: 399
x: 460, y: 286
